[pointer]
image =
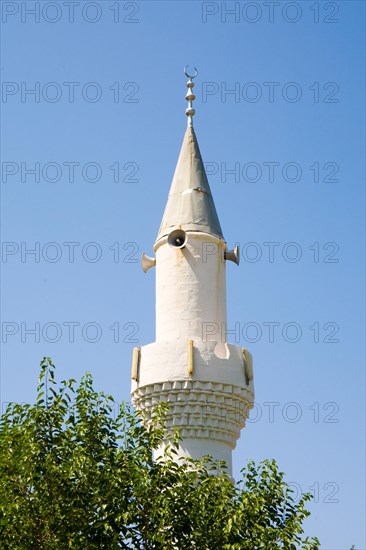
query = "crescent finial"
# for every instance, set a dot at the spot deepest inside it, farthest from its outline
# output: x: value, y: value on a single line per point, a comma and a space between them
x: 189, y: 75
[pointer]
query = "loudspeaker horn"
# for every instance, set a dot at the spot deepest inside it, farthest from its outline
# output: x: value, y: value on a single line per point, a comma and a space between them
x: 147, y: 262
x: 177, y: 238
x: 233, y: 255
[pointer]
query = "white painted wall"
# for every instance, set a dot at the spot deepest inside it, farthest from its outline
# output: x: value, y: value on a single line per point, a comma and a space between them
x: 190, y: 287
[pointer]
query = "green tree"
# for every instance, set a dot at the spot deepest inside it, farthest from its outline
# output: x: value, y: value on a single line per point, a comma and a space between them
x: 74, y: 475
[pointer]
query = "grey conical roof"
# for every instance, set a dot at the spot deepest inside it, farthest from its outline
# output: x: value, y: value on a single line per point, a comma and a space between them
x: 190, y: 205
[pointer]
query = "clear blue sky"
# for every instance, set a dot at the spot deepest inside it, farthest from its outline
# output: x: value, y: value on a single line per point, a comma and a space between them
x: 293, y: 130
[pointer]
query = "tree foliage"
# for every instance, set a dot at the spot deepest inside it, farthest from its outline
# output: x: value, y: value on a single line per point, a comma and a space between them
x: 74, y: 475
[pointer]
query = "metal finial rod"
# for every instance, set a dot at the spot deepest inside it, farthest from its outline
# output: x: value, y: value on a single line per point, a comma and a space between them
x: 190, y: 112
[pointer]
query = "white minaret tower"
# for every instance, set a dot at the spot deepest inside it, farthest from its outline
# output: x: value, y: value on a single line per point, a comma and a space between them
x: 207, y: 382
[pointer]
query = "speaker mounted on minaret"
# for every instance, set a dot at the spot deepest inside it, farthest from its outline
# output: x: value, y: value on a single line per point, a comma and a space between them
x: 147, y: 262
x: 233, y: 255
x: 177, y: 238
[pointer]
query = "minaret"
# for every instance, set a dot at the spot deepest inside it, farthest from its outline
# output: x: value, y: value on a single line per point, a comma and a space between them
x: 207, y: 382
